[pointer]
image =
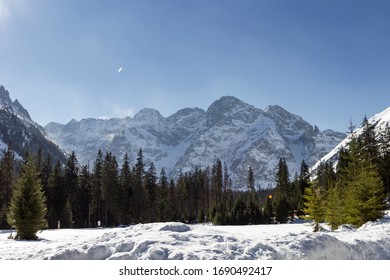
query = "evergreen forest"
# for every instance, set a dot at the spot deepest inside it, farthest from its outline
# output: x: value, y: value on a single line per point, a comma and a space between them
x: 109, y: 193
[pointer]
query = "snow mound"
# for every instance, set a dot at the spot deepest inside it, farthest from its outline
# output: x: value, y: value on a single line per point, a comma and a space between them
x: 177, y: 241
x: 176, y: 227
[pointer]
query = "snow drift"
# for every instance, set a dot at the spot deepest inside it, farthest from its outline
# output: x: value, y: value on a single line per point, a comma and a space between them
x: 177, y: 241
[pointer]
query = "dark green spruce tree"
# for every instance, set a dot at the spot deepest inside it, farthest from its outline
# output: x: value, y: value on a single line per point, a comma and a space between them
x: 282, y: 195
x: 139, y: 196
x: 268, y: 213
x: 110, y: 190
x: 216, y: 193
x: 150, y: 184
x: 28, y: 210
x: 253, y: 210
x: 164, y: 205
x: 83, y: 199
x: 96, y: 205
x: 126, y: 192
x: 71, y: 183
x: 7, y: 177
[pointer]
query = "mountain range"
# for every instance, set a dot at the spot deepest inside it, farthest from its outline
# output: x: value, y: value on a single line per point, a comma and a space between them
x: 238, y: 134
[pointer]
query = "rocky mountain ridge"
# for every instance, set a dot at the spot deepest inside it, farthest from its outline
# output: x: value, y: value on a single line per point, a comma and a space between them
x: 21, y: 132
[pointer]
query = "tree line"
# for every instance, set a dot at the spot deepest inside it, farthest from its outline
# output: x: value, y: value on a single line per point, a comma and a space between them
x: 111, y: 194
x: 107, y: 194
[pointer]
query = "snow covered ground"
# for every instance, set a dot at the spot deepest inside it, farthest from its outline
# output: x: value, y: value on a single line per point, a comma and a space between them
x: 179, y: 241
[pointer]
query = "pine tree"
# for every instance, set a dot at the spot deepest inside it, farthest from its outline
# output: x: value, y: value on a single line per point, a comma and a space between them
x: 303, y: 183
x: 163, y: 198
x: 173, y: 207
x: 139, y: 197
x: 250, y: 181
x: 45, y: 173
x: 66, y: 219
x: 61, y: 198
x: 369, y: 143
x: 71, y: 181
x: 126, y: 189
x: 342, y: 164
x: 228, y: 194
x: 55, y: 196
x: 330, y: 194
x: 199, y: 202
x: 335, y: 207
x: 361, y: 182
x: 110, y: 189
x: 253, y: 210
x: 7, y: 177
x: 151, y: 193
x: 322, y: 199
x: 239, y: 216
x: 216, y: 190
x: 282, y: 193
x: 96, y: 208
x: 296, y: 199
x: 268, y: 211
x: 384, y: 159
x: 315, y: 205
x: 27, y: 210
x: 365, y: 197
x: 182, y: 198
x: 83, y: 200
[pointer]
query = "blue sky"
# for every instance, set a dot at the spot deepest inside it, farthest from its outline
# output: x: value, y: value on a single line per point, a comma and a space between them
x: 327, y: 61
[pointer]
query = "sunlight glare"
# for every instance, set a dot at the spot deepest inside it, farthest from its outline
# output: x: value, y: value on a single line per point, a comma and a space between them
x: 3, y: 10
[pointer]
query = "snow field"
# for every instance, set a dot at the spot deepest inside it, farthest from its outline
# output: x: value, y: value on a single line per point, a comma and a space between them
x: 177, y: 241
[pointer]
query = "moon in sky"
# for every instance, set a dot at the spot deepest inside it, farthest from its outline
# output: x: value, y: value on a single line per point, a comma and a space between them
x: 120, y: 69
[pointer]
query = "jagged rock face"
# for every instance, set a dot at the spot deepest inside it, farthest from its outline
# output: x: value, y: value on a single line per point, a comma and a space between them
x: 230, y: 130
x: 18, y: 129
x: 13, y: 107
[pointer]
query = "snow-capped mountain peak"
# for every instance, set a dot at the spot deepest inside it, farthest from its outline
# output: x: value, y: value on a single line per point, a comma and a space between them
x: 148, y: 116
x: 228, y: 109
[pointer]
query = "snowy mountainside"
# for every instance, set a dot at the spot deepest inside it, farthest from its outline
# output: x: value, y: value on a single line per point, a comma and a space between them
x: 233, y: 131
x: 379, y: 121
x: 17, y: 128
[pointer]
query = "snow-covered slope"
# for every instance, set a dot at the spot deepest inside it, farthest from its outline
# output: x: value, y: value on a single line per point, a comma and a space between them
x: 231, y: 130
x: 18, y: 129
x: 185, y: 242
x: 379, y: 121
